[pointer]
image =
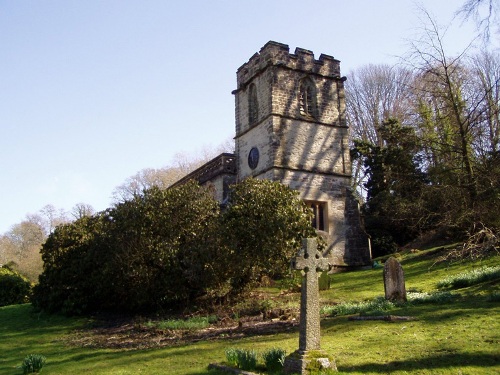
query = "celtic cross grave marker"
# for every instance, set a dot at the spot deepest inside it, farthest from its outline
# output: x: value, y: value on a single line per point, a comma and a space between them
x: 310, y: 261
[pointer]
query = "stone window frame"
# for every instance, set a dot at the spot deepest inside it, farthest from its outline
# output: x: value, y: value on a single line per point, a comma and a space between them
x: 307, y: 98
x: 320, y: 214
x: 253, y: 104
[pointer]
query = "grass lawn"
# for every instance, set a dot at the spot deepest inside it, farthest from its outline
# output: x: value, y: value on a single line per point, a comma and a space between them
x: 461, y: 336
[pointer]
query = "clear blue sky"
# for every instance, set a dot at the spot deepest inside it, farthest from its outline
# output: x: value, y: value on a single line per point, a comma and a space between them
x: 93, y: 91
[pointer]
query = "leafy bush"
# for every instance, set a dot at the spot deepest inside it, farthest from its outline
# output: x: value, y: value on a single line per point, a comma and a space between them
x: 274, y: 359
x: 172, y: 248
x: 242, y: 358
x: 265, y: 222
x: 74, y: 257
x: 382, y: 243
x: 14, y: 288
x: 154, y: 251
x: 470, y: 278
x: 33, y: 364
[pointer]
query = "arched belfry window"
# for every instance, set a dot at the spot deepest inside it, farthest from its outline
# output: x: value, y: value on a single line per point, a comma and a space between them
x: 253, y: 105
x: 307, y: 98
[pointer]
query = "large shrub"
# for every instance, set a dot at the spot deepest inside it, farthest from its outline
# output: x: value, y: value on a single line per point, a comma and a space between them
x: 264, y: 224
x: 150, y: 252
x: 170, y: 248
x: 74, y: 256
x: 14, y: 288
x: 164, y: 248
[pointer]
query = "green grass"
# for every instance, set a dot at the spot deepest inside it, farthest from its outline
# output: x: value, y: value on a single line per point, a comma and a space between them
x: 460, y: 335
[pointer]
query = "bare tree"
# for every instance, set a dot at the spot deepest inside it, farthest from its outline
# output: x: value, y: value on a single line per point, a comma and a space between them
x: 374, y: 94
x: 48, y: 218
x: 447, y: 114
x: 485, y: 13
x: 145, y: 179
x: 7, y: 250
x: 25, y: 235
x: 182, y: 164
x: 22, y: 243
x: 81, y: 210
x: 20, y: 247
x: 485, y: 74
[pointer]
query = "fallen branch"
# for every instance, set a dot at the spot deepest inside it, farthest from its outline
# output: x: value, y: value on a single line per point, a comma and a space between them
x: 388, y: 318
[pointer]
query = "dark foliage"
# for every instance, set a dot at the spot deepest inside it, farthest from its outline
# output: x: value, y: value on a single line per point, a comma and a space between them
x: 403, y: 202
x: 167, y: 249
x: 395, y: 210
x: 265, y: 223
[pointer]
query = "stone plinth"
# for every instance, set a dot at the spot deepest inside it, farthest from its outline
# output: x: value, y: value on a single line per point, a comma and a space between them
x: 306, y: 362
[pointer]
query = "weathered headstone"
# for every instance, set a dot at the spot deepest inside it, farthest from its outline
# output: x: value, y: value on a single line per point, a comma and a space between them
x: 309, y: 355
x: 394, y: 281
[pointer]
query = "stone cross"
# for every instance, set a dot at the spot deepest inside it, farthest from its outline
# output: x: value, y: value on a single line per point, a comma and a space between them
x: 394, y: 281
x: 310, y: 261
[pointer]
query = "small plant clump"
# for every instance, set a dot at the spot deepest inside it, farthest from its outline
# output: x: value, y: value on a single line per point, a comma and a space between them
x: 33, y: 364
x: 242, y: 358
x: 274, y: 359
x: 470, y: 278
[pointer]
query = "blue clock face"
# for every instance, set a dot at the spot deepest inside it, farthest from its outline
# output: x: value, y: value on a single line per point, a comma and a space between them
x: 253, y: 157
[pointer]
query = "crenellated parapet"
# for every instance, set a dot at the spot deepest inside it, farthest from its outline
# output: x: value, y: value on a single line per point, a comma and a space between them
x: 278, y: 54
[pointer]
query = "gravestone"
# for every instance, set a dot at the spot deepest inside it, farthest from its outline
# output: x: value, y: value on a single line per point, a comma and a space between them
x: 394, y: 281
x: 309, y: 355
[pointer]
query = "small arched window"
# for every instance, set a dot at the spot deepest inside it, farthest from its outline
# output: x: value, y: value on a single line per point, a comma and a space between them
x: 307, y: 98
x: 253, y: 105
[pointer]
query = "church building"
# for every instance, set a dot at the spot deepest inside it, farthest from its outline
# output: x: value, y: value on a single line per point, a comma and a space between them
x: 291, y: 128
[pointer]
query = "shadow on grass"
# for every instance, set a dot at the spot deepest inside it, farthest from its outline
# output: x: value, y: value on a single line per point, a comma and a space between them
x: 438, y: 361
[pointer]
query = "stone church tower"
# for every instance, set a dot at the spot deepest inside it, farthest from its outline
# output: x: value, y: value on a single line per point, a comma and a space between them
x: 291, y: 128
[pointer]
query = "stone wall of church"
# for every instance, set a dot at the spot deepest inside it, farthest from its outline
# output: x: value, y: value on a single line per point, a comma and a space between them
x: 330, y: 191
x: 306, y: 150
x: 304, y: 145
x: 285, y: 101
x: 357, y: 240
x: 220, y: 186
x: 261, y: 82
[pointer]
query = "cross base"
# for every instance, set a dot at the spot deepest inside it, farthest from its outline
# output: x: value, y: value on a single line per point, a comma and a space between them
x: 309, y: 361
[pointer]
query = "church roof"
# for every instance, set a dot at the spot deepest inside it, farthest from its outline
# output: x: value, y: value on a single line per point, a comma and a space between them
x: 223, y: 164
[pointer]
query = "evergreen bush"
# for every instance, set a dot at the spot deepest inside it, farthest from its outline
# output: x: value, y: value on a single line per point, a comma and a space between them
x: 14, y: 288
x: 165, y: 249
